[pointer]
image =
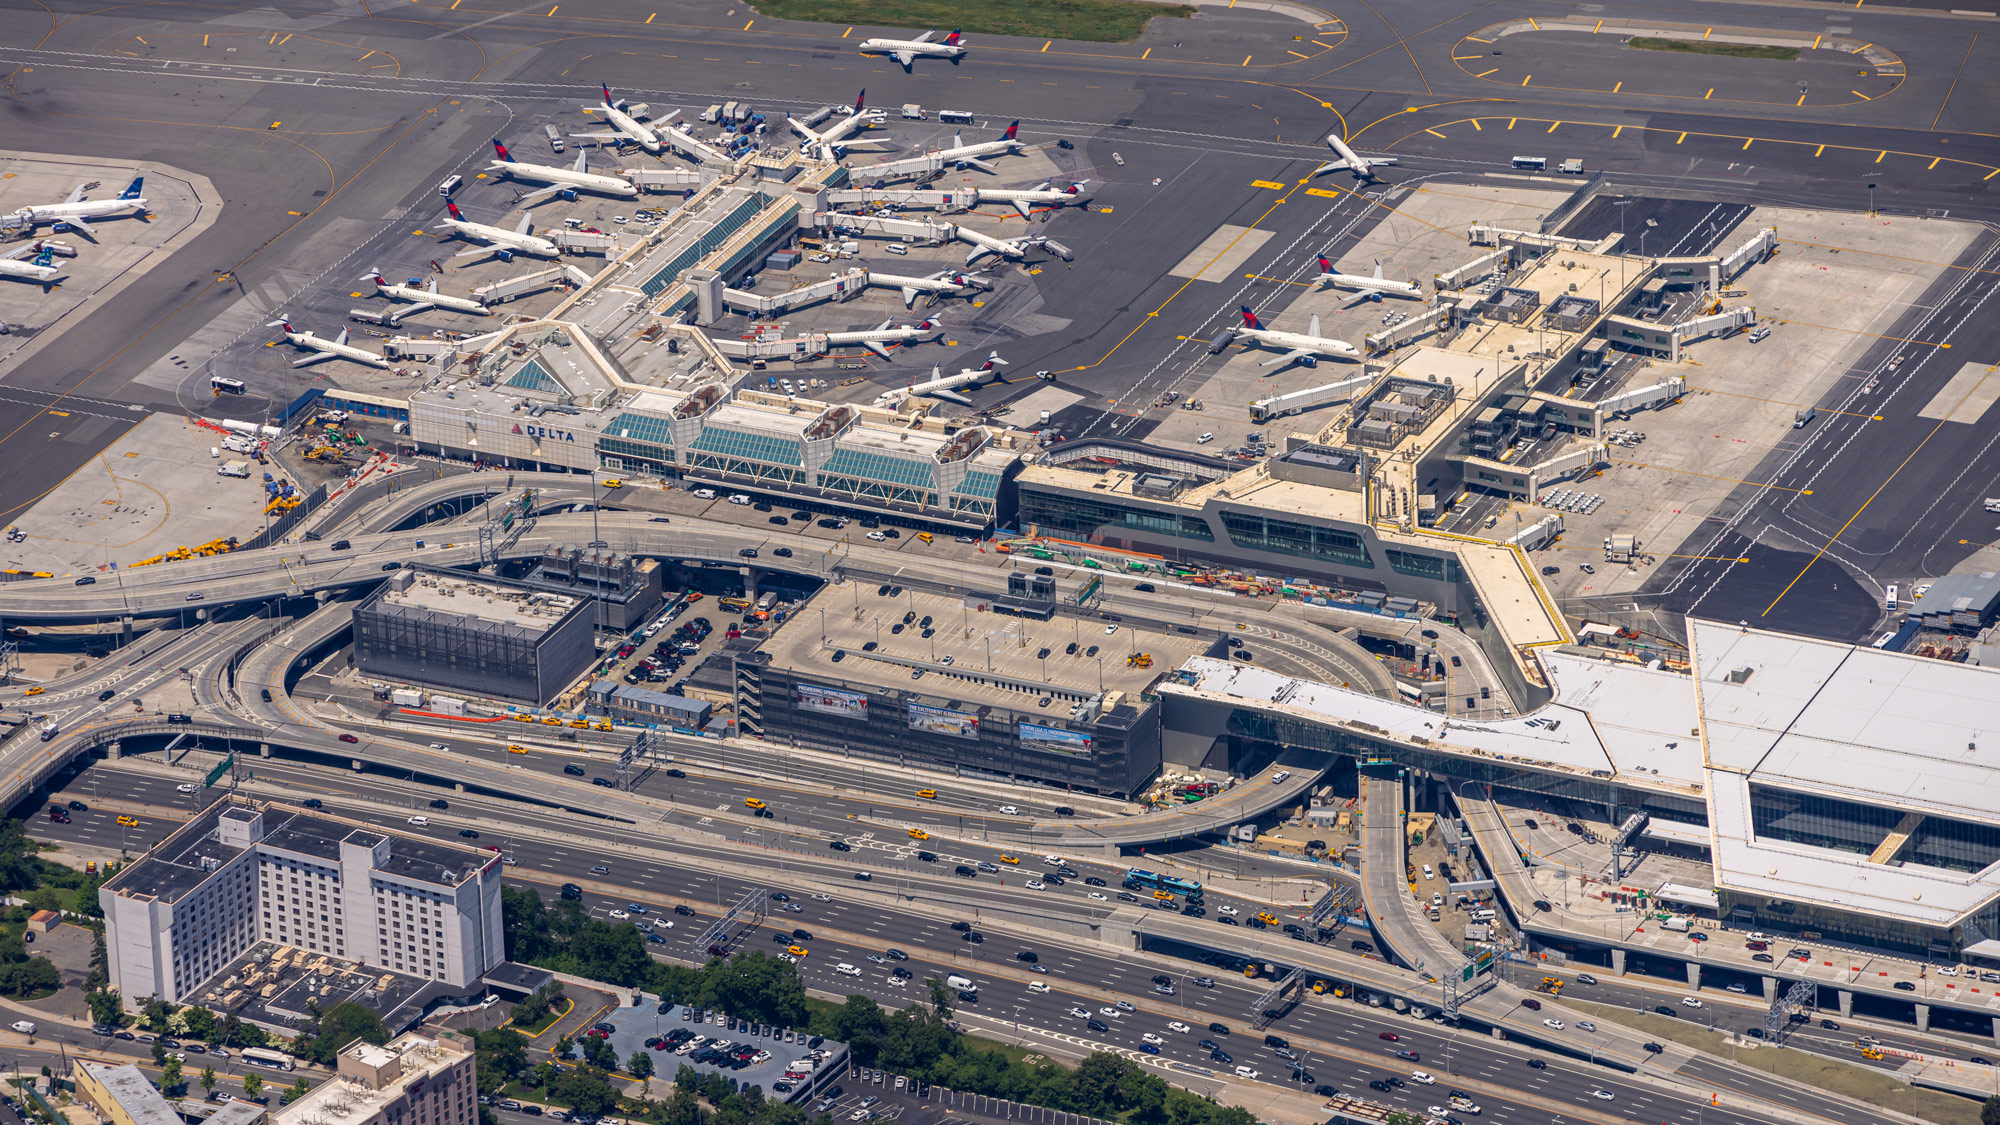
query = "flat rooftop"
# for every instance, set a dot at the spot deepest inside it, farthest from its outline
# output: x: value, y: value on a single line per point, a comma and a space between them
x: 531, y: 611
x: 283, y: 986
x: 133, y: 1092
x: 994, y: 659
x: 418, y: 1056
x: 176, y: 865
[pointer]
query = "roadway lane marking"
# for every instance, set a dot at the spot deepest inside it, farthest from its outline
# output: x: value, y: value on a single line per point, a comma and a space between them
x: 1819, y: 150
x: 1247, y: 58
x: 1710, y: 94
x: 1598, y: 28
x: 1620, y: 86
x: 1862, y: 96
x: 1477, y: 39
x: 1680, y: 138
x: 1289, y: 51
x: 1432, y: 132
x: 1493, y: 71
x: 1617, y: 130
x: 1526, y: 80
x: 1747, y: 141
x: 1880, y: 155
x: 1933, y: 163
x: 749, y: 25
x: 1476, y: 127
x: 1553, y: 125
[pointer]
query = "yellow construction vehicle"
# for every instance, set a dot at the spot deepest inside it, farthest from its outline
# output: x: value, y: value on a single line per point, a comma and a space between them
x: 1139, y: 660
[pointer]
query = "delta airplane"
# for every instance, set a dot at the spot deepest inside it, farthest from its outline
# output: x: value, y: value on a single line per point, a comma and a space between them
x: 1370, y: 288
x: 41, y: 270
x: 963, y: 154
x: 1362, y: 167
x: 573, y: 176
x: 684, y: 143
x: 831, y: 141
x: 1008, y: 248
x: 74, y: 210
x: 1305, y: 348
x: 428, y: 295
x: 324, y: 348
x: 1024, y: 198
x: 498, y: 238
x: 907, y: 51
x: 946, y: 282
x: 877, y: 338
x: 624, y: 122
x: 942, y: 386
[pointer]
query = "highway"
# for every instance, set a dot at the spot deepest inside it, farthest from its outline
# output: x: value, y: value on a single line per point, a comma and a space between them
x: 1340, y: 1041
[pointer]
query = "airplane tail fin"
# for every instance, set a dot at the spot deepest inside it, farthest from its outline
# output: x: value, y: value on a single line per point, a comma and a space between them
x: 284, y: 321
x: 1009, y: 134
x: 132, y: 190
x: 501, y: 151
x: 860, y: 102
x: 993, y: 360
x: 607, y: 92
x: 1324, y: 265
x: 1249, y: 318
x: 452, y: 207
x: 952, y: 39
x: 1378, y: 269
x: 375, y: 275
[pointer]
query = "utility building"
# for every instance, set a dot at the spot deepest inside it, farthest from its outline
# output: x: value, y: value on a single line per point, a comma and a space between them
x: 487, y: 636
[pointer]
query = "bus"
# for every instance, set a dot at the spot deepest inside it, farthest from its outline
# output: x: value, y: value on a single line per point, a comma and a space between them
x: 1136, y: 879
x: 219, y: 385
x: 265, y: 1057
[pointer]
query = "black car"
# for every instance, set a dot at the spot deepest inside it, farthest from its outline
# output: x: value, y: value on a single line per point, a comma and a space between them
x: 975, y: 937
x: 1655, y: 1048
x: 802, y: 935
x: 684, y: 910
x: 1221, y: 1056
x: 782, y: 552
x: 1538, y: 1064
x: 1378, y: 1084
x: 1905, y: 986
x: 1663, y: 1010
x: 1028, y: 955
x: 79, y: 806
x: 676, y: 773
x: 1829, y: 1025
x: 962, y: 869
x: 840, y: 846
x: 1094, y: 881
x: 962, y: 927
x: 469, y: 833
x: 603, y: 783
x: 573, y: 770
x: 927, y: 857
x: 1219, y: 1028
x: 1065, y: 810
x: 311, y: 802
x: 1325, y: 1091
x: 1097, y: 1025
x: 440, y: 803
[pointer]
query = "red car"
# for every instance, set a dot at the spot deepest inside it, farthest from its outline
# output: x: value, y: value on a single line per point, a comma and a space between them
x: 1390, y: 1036
x: 349, y: 738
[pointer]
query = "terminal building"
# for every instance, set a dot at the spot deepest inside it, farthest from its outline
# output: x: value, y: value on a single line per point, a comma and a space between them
x: 955, y: 683
x: 485, y: 636
x: 243, y: 873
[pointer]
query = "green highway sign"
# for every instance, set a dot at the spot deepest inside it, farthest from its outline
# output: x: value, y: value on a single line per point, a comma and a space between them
x: 220, y: 771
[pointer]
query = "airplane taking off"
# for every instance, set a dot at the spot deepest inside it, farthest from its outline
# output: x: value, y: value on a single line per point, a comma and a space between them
x: 624, y: 122
x: 1362, y: 167
x: 573, y: 176
x: 1370, y: 288
x: 425, y: 296
x: 831, y: 141
x: 877, y: 338
x: 74, y: 210
x: 324, y: 348
x: 942, y: 386
x: 1023, y: 198
x: 42, y: 269
x: 498, y: 238
x: 907, y: 51
x: 963, y: 154
x: 1305, y: 348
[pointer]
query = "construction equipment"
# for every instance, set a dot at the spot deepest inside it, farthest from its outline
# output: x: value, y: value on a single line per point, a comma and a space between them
x: 1139, y: 660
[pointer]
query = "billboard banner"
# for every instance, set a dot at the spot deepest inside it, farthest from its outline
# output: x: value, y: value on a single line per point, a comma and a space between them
x: 1055, y: 740
x: 833, y: 701
x: 942, y: 720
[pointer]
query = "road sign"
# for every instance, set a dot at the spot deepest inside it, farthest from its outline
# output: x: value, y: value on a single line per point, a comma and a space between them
x: 220, y: 771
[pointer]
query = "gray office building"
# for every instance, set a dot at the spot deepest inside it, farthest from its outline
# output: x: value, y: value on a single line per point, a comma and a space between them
x: 486, y: 637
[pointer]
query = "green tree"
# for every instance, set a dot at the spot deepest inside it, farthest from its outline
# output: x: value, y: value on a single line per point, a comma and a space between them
x: 563, y: 1047
x: 640, y: 1065
x: 198, y: 1023
x: 342, y: 1024
x: 584, y: 1090
x: 941, y: 998
x: 106, y: 1008
x: 598, y: 1053
x: 159, y: 1053
x: 100, y: 963
x: 35, y: 976
x: 501, y: 1053
x: 170, y: 1074
x: 1989, y: 1111
x: 207, y: 1079
x: 155, y: 1013
x: 757, y: 987
x: 687, y: 1077
x: 251, y: 1085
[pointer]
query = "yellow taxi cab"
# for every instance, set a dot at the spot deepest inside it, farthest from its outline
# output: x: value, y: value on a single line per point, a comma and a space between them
x: 579, y: 724
x: 753, y: 802
x: 924, y: 537
x: 927, y: 794
x: 524, y: 718
x: 36, y: 690
x: 1010, y: 859
x: 611, y: 482
x: 513, y: 749
x: 551, y: 721
x: 601, y: 726
x: 1163, y: 896
x: 919, y: 834
x: 128, y: 822
x: 1266, y: 917
x: 798, y: 950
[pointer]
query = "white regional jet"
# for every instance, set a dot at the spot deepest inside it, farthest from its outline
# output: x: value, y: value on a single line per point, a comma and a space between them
x: 962, y: 154
x: 907, y: 51
x: 42, y: 269
x: 427, y: 295
x: 1368, y: 288
x: 1305, y: 348
x: 942, y: 386
x: 878, y: 338
x: 830, y: 142
x: 497, y: 239
x: 947, y: 283
x: 1008, y: 248
x: 74, y: 210
x: 1023, y: 199
x: 324, y: 348
x: 573, y: 176
x: 1362, y: 167
x: 624, y: 122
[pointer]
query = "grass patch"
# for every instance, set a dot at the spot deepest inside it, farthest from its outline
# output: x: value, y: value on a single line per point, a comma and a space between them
x: 1821, y: 1073
x: 1705, y: 47
x: 1090, y: 21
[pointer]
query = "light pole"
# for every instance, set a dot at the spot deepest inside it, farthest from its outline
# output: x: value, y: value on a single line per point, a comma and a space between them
x: 1871, y: 200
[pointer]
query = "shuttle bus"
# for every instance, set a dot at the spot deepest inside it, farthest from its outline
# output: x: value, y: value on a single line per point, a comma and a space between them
x: 219, y: 385
x: 1135, y: 879
x: 265, y: 1057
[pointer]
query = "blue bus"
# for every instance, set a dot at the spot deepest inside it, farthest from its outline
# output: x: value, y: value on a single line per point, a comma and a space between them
x: 1135, y: 879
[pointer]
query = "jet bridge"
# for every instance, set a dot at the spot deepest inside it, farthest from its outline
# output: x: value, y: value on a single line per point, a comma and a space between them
x: 1297, y: 402
x: 1499, y: 261
x: 1640, y: 398
x: 840, y: 287
x: 945, y: 202
x: 1761, y: 246
x: 923, y: 230
x: 1423, y: 324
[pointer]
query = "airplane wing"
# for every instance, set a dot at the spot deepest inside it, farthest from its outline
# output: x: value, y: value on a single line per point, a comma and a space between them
x: 978, y: 252
x: 1362, y: 297
x: 1329, y: 166
x: 877, y: 347
x: 907, y: 58
x: 77, y: 223
x: 605, y: 136
x: 954, y: 397
x: 75, y: 194
x: 909, y: 297
x: 1382, y: 160
x: 1021, y: 205
x: 316, y: 357
x: 539, y: 193
x: 974, y: 161
x: 476, y: 251
x: 925, y: 37
x: 1292, y: 356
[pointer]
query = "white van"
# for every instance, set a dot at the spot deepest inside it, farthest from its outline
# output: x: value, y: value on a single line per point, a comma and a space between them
x: 1204, y: 439
x: 963, y: 984
x: 740, y: 500
x: 1484, y: 915
x: 704, y: 493
x: 25, y: 1027
x: 420, y: 821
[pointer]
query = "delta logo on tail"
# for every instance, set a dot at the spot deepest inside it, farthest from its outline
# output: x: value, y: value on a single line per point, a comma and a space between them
x: 1250, y: 319
x: 952, y: 39
x: 1009, y: 134
x: 1324, y: 265
x: 502, y: 151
